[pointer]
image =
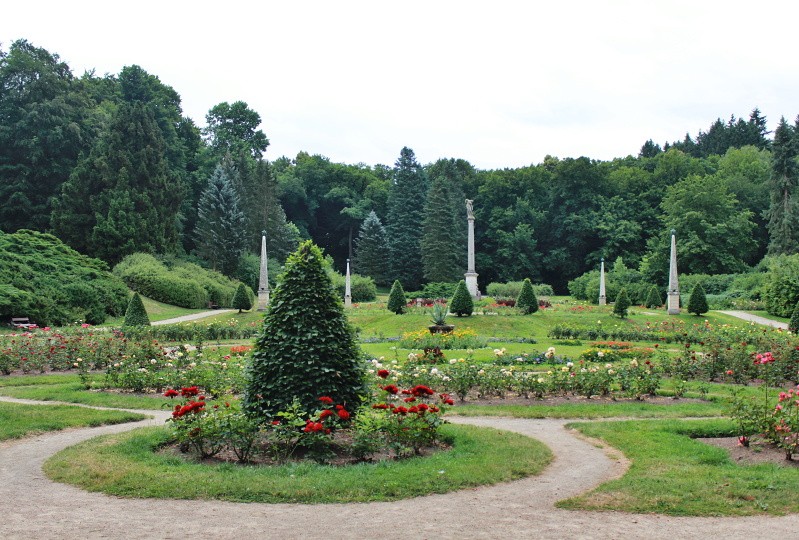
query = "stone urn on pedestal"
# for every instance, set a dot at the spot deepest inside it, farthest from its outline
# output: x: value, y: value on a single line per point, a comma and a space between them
x: 439, y: 320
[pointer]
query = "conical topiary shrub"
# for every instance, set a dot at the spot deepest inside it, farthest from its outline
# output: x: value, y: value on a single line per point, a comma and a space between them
x: 653, y: 299
x: 697, y: 302
x: 396, y: 298
x: 461, y: 303
x: 241, y: 300
x: 793, y: 325
x: 526, y: 301
x: 622, y: 304
x: 307, y: 348
x: 136, y: 315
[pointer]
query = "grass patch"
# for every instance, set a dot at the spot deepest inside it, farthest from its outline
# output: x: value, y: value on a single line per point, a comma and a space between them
x: 671, y: 473
x: 74, y: 392
x: 637, y: 409
x: 126, y: 465
x: 18, y: 420
x: 156, y: 311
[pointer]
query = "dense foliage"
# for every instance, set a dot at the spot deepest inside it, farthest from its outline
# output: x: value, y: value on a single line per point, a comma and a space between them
x: 622, y: 304
x: 52, y: 284
x: 653, y: 299
x: 526, y: 302
x: 396, y: 298
x: 307, y: 348
x: 136, y: 315
x: 241, y: 300
x: 462, y: 303
x: 697, y: 302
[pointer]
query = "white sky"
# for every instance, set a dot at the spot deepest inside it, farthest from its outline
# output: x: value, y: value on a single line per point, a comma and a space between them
x: 498, y: 83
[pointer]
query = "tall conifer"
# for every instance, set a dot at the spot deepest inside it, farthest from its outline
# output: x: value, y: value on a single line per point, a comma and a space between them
x: 440, y: 248
x: 371, y: 250
x: 405, y: 214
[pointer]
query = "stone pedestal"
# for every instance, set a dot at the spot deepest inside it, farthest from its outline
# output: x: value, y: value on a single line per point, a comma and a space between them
x: 603, y: 300
x: 263, y: 279
x: 471, y: 284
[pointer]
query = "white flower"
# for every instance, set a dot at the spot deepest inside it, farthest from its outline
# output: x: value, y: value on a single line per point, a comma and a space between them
x: 608, y: 366
x: 481, y: 372
x: 633, y: 363
x: 600, y: 354
x: 153, y: 361
x: 434, y: 371
x: 583, y: 370
x: 116, y: 365
x: 453, y: 360
x: 412, y: 357
x: 193, y: 364
x: 569, y: 364
x: 540, y: 380
x: 564, y: 369
x: 445, y: 378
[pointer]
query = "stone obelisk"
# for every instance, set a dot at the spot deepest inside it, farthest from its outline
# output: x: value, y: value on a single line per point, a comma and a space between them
x: 471, y: 275
x: 602, y: 298
x: 347, y: 288
x: 673, y: 302
x: 263, y: 279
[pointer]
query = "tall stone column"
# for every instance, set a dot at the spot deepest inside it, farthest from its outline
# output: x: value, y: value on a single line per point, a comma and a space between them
x: 673, y: 302
x: 471, y: 275
x: 347, y: 288
x: 602, y: 298
x: 263, y: 279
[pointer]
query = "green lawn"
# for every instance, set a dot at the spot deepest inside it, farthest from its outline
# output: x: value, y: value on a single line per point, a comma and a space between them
x: 69, y: 389
x: 156, y: 311
x: 18, y: 420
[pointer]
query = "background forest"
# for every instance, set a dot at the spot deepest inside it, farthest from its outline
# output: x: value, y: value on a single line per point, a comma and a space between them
x: 111, y: 166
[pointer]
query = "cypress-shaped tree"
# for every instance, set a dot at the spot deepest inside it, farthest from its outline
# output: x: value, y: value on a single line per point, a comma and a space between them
x: 371, y: 250
x: 793, y: 325
x: 653, y: 298
x: 440, y: 247
x: 461, y: 303
x: 697, y: 302
x: 405, y: 215
x: 136, y: 315
x: 307, y: 348
x: 220, y: 229
x: 396, y: 298
x: 783, y: 213
x: 241, y: 300
x: 622, y: 304
x: 527, y: 302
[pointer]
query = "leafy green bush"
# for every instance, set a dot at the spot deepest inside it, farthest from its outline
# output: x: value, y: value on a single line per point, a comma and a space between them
x: 622, y: 304
x: 793, y: 325
x: 512, y: 289
x: 697, y: 303
x: 781, y: 289
x: 396, y: 299
x: 527, y: 302
x: 462, y: 303
x: 363, y: 288
x: 307, y: 348
x: 653, y: 299
x: 51, y: 284
x: 242, y: 300
x: 136, y: 315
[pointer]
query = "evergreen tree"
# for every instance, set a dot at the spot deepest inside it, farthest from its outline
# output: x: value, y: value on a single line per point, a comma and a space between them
x: 793, y: 325
x: 622, y: 304
x: 122, y: 197
x: 241, y: 300
x: 527, y: 302
x: 697, y: 302
x: 306, y: 349
x: 653, y: 299
x: 461, y: 303
x: 220, y: 225
x: 405, y: 216
x: 783, y: 214
x: 136, y: 315
x: 440, y: 249
x: 396, y: 298
x: 371, y: 250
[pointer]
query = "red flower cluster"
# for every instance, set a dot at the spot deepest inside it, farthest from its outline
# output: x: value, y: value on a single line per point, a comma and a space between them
x: 327, y: 400
x: 189, y: 391
x: 315, y: 427
x: 190, y: 407
x: 383, y: 373
x: 171, y: 393
x: 446, y: 399
x: 391, y: 388
x: 421, y: 391
x: 764, y: 358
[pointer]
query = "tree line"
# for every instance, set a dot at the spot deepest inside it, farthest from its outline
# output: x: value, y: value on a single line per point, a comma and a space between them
x: 112, y: 166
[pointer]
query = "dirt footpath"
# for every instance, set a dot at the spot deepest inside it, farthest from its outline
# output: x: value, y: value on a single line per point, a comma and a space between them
x: 33, y: 507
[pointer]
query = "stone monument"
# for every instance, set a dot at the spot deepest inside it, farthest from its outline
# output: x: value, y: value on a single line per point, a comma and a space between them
x: 263, y: 279
x: 603, y: 301
x: 347, y: 288
x: 673, y: 302
x: 471, y: 275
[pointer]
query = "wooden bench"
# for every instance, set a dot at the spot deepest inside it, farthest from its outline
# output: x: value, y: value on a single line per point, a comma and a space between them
x: 212, y: 305
x: 21, y: 322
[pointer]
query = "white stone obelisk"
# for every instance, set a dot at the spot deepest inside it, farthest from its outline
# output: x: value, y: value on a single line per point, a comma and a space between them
x: 263, y: 279
x: 673, y: 302
x: 471, y: 275
x: 347, y: 288
x: 603, y: 301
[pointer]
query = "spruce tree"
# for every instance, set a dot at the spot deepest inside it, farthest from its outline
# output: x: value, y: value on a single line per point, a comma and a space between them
x: 527, y: 303
x: 396, y: 299
x: 440, y: 247
x: 783, y: 213
x: 241, y: 300
x: 697, y: 302
x: 371, y: 250
x: 622, y: 304
x: 405, y: 215
x: 793, y: 325
x: 220, y: 224
x: 653, y: 299
x: 461, y: 303
x: 307, y: 348
x: 136, y: 315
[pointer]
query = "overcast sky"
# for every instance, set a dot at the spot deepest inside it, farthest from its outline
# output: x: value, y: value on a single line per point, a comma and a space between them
x: 498, y: 83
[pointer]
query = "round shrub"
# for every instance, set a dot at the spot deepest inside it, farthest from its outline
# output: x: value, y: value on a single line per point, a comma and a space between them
x: 136, y: 315
x: 622, y: 304
x: 653, y: 299
x: 697, y: 302
x: 242, y: 299
x: 527, y: 302
x: 462, y: 303
x: 363, y: 288
x: 307, y: 348
x: 793, y: 325
x: 396, y: 299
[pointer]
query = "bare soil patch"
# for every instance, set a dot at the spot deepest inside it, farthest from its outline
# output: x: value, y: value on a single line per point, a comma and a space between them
x: 759, y: 451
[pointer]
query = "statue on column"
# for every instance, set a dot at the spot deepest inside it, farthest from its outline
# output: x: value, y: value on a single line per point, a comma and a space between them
x: 469, y: 209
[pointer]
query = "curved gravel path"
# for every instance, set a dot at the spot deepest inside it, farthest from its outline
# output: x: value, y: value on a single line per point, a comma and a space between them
x: 193, y: 316
x: 756, y: 319
x: 34, y: 507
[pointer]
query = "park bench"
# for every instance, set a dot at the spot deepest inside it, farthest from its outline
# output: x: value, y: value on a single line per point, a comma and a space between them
x: 213, y: 305
x: 21, y: 322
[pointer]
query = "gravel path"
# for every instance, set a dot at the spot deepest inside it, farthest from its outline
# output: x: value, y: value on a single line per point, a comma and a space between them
x: 756, y: 319
x: 34, y: 507
x: 193, y: 316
